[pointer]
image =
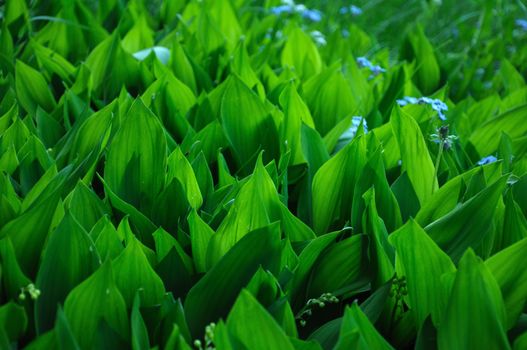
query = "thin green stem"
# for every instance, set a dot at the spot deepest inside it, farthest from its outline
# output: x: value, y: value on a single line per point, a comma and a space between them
x: 438, y: 161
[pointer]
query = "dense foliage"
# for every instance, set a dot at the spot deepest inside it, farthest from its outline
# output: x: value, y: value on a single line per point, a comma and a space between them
x: 237, y: 174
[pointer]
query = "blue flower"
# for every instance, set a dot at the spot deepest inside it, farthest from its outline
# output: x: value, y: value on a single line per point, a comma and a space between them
x: 437, y: 105
x: 312, y: 15
x: 375, y: 70
x: 353, y: 10
x: 278, y: 10
x: 487, y: 160
x: 319, y: 38
x: 289, y: 7
x: 522, y: 23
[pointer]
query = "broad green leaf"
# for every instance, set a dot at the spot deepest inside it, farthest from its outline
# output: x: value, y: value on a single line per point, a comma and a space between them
x: 475, y: 307
x: 29, y: 231
x: 247, y: 123
x: 68, y: 259
x: 306, y: 262
x: 253, y: 327
x: 380, y: 252
x: 296, y: 114
x: 111, y: 67
x: 329, y: 98
x: 94, y: 301
x: 307, y: 64
x: 341, y: 269
x: 139, y: 37
x: 422, y: 262
x: 200, y: 235
x: 356, y: 329
x: 93, y: 133
x: 85, y: 206
x: 53, y: 62
x: 139, y: 333
x: 427, y: 73
x: 182, y: 67
x: 333, y: 186
x: 467, y: 224
x: 13, y: 279
x: 13, y: 320
x: 165, y: 242
x: 443, y: 200
x: 212, y: 297
x: 180, y: 168
x: 514, y: 225
x: 32, y: 90
x: 133, y: 272
x: 133, y: 169
x: 486, y: 138
x: 414, y: 155
x: 144, y: 226
x: 256, y: 205
x: 64, y: 334
x: 374, y: 174
x: 511, y: 279
x: 107, y: 241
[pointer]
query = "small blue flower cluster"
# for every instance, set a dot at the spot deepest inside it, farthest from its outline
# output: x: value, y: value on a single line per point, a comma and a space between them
x: 352, y: 9
x: 289, y: 7
x: 318, y: 37
x: 522, y: 24
x: 487, y: 160
x: 375, y: 69
x: 437, y: 105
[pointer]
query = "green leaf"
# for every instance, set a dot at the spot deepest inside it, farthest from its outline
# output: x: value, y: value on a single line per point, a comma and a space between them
x: 68, y: 259
x: 511, y: 279
x: 247, y: 135
x: 212, y: 297
x: 93, y: 133
x: 180, y: 168
x: 13, y: 320
x: 85, y: 206
x: 341, y: 269
x: 32, y: 90
x: 427, y: 75
x: 13, y: 279
x: 486, y: 138
x: 64, y: 334
x: 329, y: 98
x: 133, y: 272
x: 107, y: 241
x: 467, y: 224
x: 296, y: 114
x: 53, y: 62
x: 253, y: 327
x: 200, y: 235
x: 111, y: 67
x: 333, y: 186
x: 307, y: 64
x: 133, y: 169
x: 356, y: 329
x: 422, y: 262
x: 475, y: 307
x: 96, y: 300
x: 306, y: 261
x: 139, y: 332
x: 29, y: 231
x: 144, y: 226
x: 414, y: 154
x: 256, y: 205
x: 381, y: 253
